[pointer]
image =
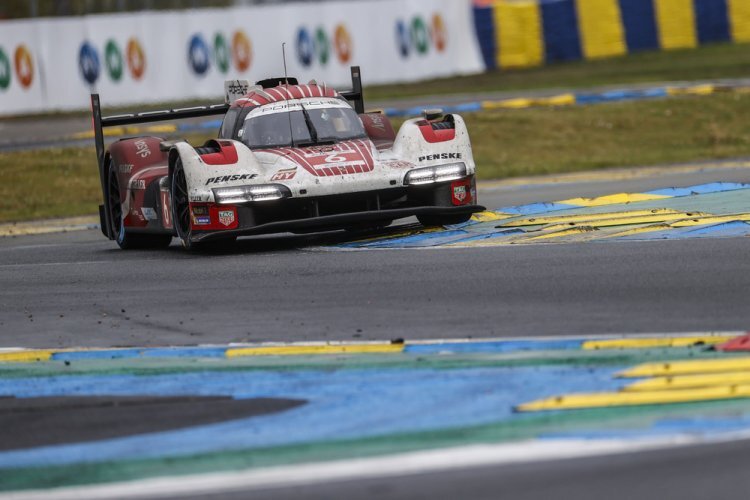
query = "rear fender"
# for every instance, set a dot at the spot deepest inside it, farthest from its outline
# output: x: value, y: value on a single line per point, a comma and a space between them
x: 139, y: 164
x: 379, y: 129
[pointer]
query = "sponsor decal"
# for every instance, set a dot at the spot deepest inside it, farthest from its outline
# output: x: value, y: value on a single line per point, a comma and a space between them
x: 416, y: 36
x: 113, y: 60
x: 149, y: 213
x: 137, y: 184
x: 221, y: 52
x: 242, y: 51
x: 4, y: 70
x: 228, y: 178
x: 141, y: 149
x: 305, y: 47
x: 461, y: 193
x: 343, y: 42
x: 24, y: 66
x: 353, y: 157
x: 284, y: 175
x: 200, y: 54
x: 439, y: 33
x: 318, y: 48
x: 377, y: 121
x: 201, y: 216
x: 125, y: 169
x: 441, y: 156
x: 136, y: 59
x: 397, y: 164
x: 88, y: 63
x: 226, y: 217
x: 166, y: 209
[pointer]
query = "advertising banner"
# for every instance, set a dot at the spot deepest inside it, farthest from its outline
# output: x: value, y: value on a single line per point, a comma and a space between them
x: 54, y: 64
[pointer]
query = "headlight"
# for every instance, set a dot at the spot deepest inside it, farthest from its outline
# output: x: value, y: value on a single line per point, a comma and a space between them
x: 438, y: 173
x: 242, y: 194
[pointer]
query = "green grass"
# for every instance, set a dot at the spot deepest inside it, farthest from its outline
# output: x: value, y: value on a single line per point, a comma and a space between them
x: 65, y: 182
x: 706, y: 62
x: 48, y: 183
x: 551, y: 140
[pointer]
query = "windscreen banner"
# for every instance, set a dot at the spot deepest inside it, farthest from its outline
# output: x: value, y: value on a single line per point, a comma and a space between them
x: 53, y: 64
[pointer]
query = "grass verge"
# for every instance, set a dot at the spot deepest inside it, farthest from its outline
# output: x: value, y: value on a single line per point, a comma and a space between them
x: 64, y: 182
x: 704, y: 63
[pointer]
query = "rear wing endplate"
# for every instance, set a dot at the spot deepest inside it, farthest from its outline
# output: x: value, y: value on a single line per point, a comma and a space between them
x: 355, y: 94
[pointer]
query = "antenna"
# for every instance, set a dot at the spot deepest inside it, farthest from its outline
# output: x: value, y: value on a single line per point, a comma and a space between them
x: 283, y: 56
x: 288, y: 103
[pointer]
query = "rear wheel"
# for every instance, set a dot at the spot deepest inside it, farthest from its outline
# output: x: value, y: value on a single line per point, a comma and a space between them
x: 442, y: 220
x: 125, y: 239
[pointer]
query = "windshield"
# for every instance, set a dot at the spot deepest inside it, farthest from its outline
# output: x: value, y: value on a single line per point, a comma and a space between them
x: 293, y: 128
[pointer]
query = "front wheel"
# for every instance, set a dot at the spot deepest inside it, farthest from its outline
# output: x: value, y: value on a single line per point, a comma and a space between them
x: 181, y: 206
x: 442, y: 220
x: 125, y: 239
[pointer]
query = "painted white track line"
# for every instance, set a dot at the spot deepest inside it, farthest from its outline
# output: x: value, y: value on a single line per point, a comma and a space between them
x: 377, y: 467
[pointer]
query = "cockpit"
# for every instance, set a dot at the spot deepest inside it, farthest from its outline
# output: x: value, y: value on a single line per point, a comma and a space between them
x: 294, y: 124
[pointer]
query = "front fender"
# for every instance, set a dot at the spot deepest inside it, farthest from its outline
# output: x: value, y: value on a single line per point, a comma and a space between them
x: 205, y: 171
x: 425, y: 150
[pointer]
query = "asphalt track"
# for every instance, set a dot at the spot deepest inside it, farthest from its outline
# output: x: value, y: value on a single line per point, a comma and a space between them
x: 77, y: 289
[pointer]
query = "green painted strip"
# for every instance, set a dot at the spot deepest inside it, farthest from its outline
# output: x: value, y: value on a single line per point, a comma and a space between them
x: 523, y: 428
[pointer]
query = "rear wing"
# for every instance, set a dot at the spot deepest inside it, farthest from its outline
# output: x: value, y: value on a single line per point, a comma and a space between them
x: 354, y: 96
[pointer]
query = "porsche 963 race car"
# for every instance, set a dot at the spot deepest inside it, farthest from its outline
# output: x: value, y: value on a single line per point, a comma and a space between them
x: 288, y: 158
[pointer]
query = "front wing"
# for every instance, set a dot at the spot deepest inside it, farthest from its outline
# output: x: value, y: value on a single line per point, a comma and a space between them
x: 333, y: 222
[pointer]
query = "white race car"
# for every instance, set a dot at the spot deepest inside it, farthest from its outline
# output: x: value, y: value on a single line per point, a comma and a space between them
x: 288, y: 158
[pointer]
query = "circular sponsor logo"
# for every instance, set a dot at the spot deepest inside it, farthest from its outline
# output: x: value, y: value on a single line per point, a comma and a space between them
x: 24, y: 66
x: 136, y: 59
x: 242, y: 51
x: 4, y: 70
x: 221, y: 52
x: 199, y: 57
x: 305, y: 47
x: 322, y: 46
x: 419, y: 36
x: 439, y: 35
x: 343, y: 42
x: 88, y: 63
x: 113, y: 60
x: 403, y: 38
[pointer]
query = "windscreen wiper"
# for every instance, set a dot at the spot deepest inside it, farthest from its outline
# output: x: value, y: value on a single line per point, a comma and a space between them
x: 310, y: 126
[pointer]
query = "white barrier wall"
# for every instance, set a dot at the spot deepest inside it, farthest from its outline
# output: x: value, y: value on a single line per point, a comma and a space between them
x: 54, y: 64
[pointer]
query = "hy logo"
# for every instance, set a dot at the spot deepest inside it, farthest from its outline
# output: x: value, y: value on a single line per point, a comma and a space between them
x: 318, y: 47
x: 239, y: 54
x: 417, y: 36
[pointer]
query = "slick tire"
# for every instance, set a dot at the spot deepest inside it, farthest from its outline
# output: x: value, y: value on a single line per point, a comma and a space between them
x: 181, y: 207
x: 125, y: 239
